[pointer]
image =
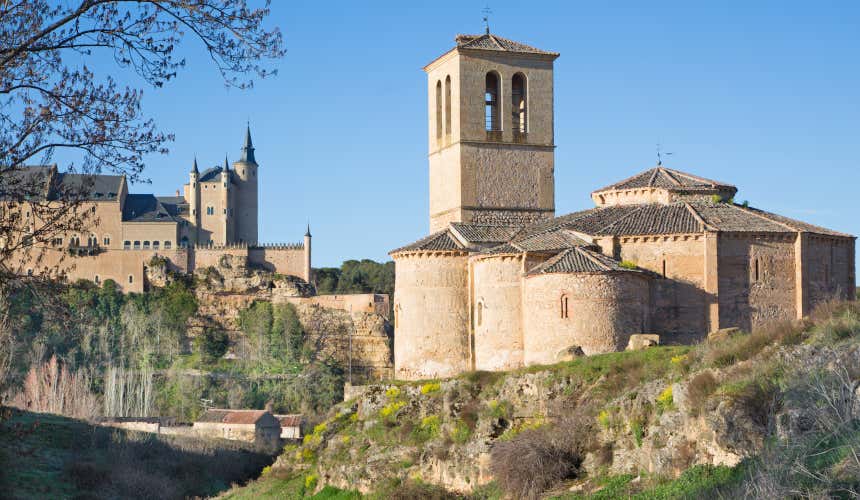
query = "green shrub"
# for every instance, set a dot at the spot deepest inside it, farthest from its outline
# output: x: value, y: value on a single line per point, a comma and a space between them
x: 666, y: 400
x: 627, y: 264
x: 428, y: 429
x: 431, y: 387
x: 392, y: 392
x: 461, y: 432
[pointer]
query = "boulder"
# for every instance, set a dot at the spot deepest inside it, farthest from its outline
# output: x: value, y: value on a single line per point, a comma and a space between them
x: 642, y: 340
x: 723, y: 334
x: 570, y: 353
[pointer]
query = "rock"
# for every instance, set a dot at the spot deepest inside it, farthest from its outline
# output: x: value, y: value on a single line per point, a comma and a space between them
x: 570, y: 353
x: 642, y: 340
x: 723, y: 334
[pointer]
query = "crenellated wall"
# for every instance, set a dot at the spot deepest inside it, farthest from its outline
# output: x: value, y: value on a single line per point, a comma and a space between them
x: 431, y: 315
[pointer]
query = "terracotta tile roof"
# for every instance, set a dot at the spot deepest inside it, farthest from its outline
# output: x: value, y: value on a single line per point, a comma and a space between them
x: 579, y: 260
x: 553, y: 240
x: 488, y: 41
x: 289, y: 420
x: 232, y: 416
x: 485, y: 233
x: 503, y: 248
x: 732, y: 218
x: 654, y: 219
x: 794, y: 224
x: 663, y: 177
x: 438, y: 241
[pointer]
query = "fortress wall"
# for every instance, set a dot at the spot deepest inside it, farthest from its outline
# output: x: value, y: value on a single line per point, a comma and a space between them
x: 679, y: 304
x: 445, y: 174
x: 747, y: 302
x: 631, y: 197
x: 829, y: 269
x: 149, y: 231
x: 604, y: 309
x: 289, y: 261
x: 497, y: 312
x: 117, y: 265
x: 373, y: 303
x: 209, y: 257
x: 431, y: 309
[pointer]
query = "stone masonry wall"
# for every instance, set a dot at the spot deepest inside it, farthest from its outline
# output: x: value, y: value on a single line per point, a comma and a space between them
x: 431, y: 310
x: 603, y: 311
x: 748, y: 301
x: 497, y: 302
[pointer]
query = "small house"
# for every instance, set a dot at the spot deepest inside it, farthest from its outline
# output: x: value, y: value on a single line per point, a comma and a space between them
x: 253, y: 426
x: 291, y: 426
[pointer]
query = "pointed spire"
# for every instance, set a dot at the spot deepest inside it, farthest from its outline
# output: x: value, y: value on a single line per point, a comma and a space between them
x: 248, y: 148
x: 308, y: 233
x: 226, y: 165
x: 194, y: 167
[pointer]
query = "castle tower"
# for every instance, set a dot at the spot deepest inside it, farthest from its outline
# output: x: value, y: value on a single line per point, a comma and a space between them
x: 307, y: 249
x: 226, y: 217
x: 246, y: 193
x: 490, y: 103
x: 194, y: 203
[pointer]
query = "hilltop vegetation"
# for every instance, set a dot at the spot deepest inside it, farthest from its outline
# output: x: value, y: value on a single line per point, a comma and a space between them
x: 49, y: 456
x: 132, y: 355
x: 774, y: 414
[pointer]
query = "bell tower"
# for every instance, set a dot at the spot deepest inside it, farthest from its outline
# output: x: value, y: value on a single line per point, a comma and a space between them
x: 246, y: 197
x: 491, y: 139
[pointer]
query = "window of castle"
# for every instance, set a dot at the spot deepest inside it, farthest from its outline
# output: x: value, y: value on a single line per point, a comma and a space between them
x: 145, y: 244
x: 210, y: 210
x: 156, y: 244
x: 126, y: 245
x: 97, y: 279
x: 137, y: 245
x: 479, y: 314
x: 564, y: 307
x: 106, y: 240
x: 130, y: 278
x: 167, y: 244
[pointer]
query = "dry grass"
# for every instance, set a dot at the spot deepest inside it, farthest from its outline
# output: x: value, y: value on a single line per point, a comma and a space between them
x: 537, y: 459
x: 699, y: 389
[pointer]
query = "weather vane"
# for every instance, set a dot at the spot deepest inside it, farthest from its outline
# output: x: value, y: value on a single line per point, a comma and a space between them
x: 486, y: 11
x: 660, y: 155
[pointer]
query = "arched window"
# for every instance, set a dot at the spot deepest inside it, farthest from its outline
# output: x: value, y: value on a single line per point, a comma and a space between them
x: 439, y: 110
x: 106, y: 240
x: 479, y: 314
x: 491, y: 104
x: 518, y: 104
x: 564, y: 307
x: 448, y: 106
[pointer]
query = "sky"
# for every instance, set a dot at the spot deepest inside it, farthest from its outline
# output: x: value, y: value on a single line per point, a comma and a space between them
x: 764, y: 95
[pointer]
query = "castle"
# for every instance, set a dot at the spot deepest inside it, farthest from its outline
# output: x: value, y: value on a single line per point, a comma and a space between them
x: 216, y: 215
x: 501, y: 282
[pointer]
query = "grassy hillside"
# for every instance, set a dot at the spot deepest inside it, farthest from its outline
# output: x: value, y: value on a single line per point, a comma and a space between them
x: 773, y: 413
x: 49, y: 456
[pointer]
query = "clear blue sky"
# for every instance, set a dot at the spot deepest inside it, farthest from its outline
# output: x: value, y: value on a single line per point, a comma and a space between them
x: 764, y: 95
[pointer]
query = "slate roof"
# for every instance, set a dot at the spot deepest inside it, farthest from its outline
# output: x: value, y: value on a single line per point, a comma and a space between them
x: 92, y: 187
x: 579, y: 260
x: 29, y: 182
x: 232, y: 416
x: 212, y: 175
x: 438, y: 241
x: 145, y: 208
x: 488, y: 41
x: 663, y: 177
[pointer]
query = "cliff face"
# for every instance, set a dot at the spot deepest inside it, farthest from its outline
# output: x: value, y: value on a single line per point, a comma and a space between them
x: 657, y: 411
x: 354, y: 329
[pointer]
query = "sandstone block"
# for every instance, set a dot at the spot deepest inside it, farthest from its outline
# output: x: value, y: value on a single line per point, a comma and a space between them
x: 642, y: 340
x: 570, y: 353
x: 723, y: 334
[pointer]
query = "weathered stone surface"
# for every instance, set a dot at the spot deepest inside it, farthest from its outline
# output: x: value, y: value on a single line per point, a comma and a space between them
x: 569, y: 353
x: 642, y: 340
x: 723, y: 334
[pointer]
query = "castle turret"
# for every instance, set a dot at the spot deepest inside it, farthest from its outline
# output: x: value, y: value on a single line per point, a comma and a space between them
x: 308, y: 270
x: 194, y: 203
x: 246, y: 193
x: 226, y: 204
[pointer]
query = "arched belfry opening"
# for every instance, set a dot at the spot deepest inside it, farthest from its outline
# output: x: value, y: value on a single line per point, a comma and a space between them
x: 438, y: 111
x: 448, y: 107
x: 519, y: 105
x: 491, y: 106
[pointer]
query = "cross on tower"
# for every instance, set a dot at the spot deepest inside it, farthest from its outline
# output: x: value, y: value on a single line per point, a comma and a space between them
x: 660, y: 155
x: 486, y: 11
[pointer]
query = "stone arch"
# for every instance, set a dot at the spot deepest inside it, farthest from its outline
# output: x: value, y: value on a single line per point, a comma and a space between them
x: 492, y: 93
x: 448, y: 106
x: 438, y: 110
x: 519, y: 104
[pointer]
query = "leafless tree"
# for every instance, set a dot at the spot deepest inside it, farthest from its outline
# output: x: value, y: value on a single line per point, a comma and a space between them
x: 52, y: 98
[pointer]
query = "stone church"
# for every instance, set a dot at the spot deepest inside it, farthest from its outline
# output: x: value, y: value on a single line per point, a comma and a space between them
x: 215, y: 214
x: 502, y: 282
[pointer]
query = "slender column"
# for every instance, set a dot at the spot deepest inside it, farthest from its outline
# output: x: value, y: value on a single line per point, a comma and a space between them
x: 712, y: 282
